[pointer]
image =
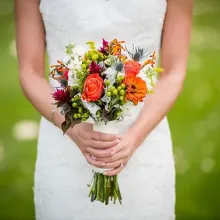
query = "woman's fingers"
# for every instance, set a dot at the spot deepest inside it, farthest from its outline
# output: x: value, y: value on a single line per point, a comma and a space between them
x: 120, y: 153
x: 103, y: 144
x: 94, y: 162
x: 113, y: 165
x: 115, y: 171
x: 98, y: 136
x: 105, y: 153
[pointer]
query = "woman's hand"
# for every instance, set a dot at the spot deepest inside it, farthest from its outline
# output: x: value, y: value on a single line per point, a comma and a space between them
x: 120, y: 154
x: 93, y: 144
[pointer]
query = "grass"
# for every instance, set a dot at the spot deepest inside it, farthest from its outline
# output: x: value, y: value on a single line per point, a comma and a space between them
x: 194, y: 122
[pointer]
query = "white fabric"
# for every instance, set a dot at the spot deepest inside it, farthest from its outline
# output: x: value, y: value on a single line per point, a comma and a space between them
x: 62, y: 173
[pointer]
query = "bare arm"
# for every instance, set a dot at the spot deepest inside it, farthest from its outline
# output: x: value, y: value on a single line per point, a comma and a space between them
x: 30, y: 38
x: 175, y: 46
x: 174, y: 54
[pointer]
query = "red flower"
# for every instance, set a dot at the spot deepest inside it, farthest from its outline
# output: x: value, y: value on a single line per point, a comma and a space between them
x: 132, y: 67
x: 94, y: 67
x: 93, y: 87
x: 65, y: 74
x: 61, y: 96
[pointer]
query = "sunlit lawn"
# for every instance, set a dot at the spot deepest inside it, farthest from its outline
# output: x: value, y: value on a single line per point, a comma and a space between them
x: 194, y: 121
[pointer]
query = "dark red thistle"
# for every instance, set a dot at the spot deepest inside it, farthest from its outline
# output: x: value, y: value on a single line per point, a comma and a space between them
x: 61, y: 96
x: 94, y: 67
x: 105, y: 47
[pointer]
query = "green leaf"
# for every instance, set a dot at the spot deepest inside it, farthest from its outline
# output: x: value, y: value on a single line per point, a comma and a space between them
x: 65, y: 126
x: 69, y: 121
x: 105, y: 116
x: 63, y: 82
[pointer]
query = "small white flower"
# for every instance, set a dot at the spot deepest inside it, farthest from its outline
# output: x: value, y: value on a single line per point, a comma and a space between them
x: 72, y: 78
x: 111, y: 75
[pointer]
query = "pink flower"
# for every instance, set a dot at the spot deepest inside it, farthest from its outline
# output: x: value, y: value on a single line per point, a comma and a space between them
x: 61, y: 96
x: 94, y: 67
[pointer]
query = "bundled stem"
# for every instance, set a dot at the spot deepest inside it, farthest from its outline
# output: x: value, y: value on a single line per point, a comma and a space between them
x: 104, y: 188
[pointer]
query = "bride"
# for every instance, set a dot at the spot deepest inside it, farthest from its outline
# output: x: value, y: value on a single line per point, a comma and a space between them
x: 143, y: 153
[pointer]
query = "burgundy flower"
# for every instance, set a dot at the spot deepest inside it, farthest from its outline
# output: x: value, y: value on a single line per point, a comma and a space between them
x: 94, y: 67
x: 104, y: 49
x: 61, y: 96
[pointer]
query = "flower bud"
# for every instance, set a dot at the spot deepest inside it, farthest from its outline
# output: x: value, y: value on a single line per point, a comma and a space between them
x: 123, y: 86
x: 115, y: 92
x: 74, y: 104
x: 121, y: 98
x: 107, y: 82
x: 109, y: 94
x: 122, y: 92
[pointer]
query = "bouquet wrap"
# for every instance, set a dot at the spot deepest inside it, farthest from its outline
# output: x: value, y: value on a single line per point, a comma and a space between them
x: 109, y: 128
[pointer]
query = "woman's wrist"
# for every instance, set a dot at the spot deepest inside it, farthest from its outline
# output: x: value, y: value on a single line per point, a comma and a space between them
x: 136, y: 135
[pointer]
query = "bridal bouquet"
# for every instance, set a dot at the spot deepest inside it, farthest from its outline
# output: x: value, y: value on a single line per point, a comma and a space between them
x: 102, y: 85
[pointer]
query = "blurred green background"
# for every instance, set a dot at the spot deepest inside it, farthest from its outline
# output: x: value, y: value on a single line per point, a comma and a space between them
x: 194, y: 122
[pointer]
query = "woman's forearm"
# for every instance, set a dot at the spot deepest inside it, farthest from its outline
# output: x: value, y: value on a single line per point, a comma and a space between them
x: 38, y: 92
x: 157, y: 105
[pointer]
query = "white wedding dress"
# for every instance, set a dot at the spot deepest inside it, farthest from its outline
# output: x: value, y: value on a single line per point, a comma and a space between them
x: 62, y: 173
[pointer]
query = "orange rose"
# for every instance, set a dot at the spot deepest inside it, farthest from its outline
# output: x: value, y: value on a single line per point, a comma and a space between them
x: 132, y: 67
x: 93, y: 87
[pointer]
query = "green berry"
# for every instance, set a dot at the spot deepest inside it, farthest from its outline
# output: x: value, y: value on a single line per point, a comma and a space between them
x: 86, y: 115
x: 89, y: 61
x: 84, y: 119
x: 79, y: 115
x: 76, y: 97
x: 112, y: 88
x: 121, y: 98
x: 84, y: 66
x: 122, y: 92
x: 109, y: 94
x: 80, y: 110
x: 107, y: 82
x: 98, y: 113
x: 121, y: 77
x: 75, y: 115
x: 118, y: 114
x: 115, y: 92
x: 73, y: 99
x: 123, y: 86
x: 119, y: 88
x: 74, y: 104
x: 118, y: 78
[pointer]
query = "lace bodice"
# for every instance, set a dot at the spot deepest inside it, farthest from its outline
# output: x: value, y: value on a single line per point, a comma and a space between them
x: 135, y: 21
